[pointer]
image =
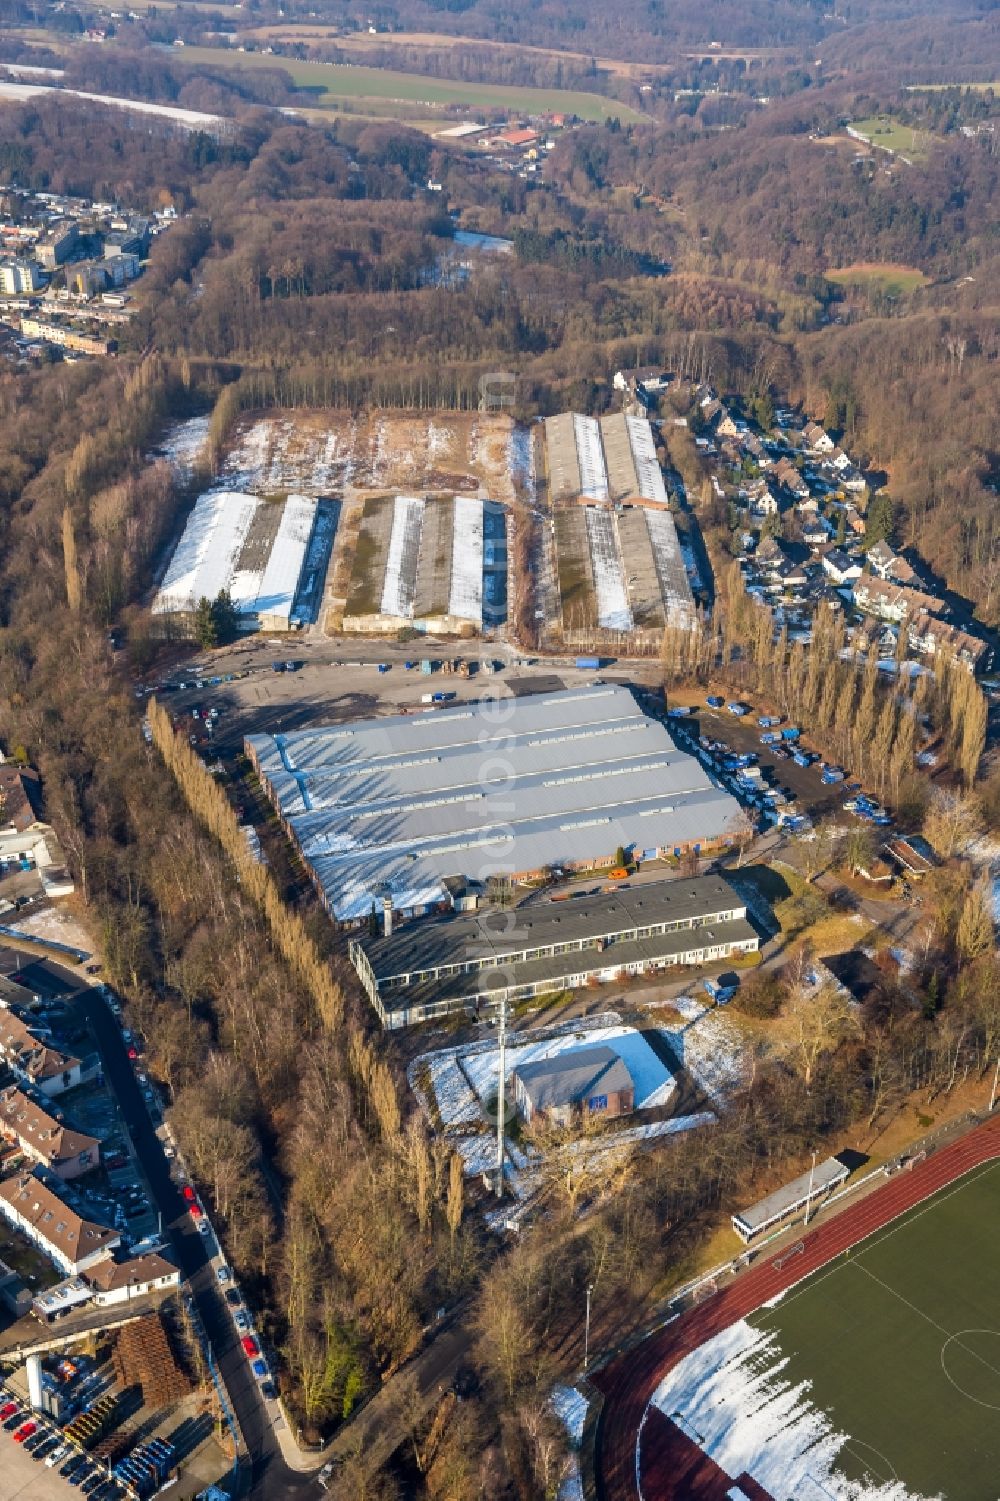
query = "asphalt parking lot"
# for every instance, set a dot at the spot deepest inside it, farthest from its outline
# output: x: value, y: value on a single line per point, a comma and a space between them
x: 26, y: 1479
x: 743, y: 735
x: 340, y: 679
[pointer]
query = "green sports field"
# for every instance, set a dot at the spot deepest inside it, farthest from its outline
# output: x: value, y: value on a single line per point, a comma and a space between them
x: 899, y: 1343
x: 331, y: 84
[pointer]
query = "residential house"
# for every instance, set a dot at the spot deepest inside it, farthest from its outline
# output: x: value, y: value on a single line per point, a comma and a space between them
x: 815, y: 533
x: 120, y: 1281
x: 44, y: 1138
x: 593, y: 1081
x: 791, y: 479
x: 790, y: 576
x: 855, y: 520
x: 644, y: 382
x: 933, y: 637
x: 19, y: 278
x: 817, y: 438
x: 771, y: 553
x: 840, y: 566
x: 33, y: 1207
x: 20, y: 798
x: 893, y: 602
x: 847, y: 475
x: 56, y: 250
x: 763, y: 501
x: 887, y: 564
x: 730, y: 426
x: 27, y: 1052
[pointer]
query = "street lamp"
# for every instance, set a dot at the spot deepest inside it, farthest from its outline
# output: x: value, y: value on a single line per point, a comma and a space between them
x: 586, y: 1330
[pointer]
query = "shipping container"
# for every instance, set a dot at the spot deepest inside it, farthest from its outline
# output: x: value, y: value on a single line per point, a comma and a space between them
x: 790, y: 733
x: 588, y: 664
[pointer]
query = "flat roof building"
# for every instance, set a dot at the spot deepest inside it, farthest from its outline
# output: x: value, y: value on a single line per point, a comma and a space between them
x: 786, y: 1201
x: 393, y: 807
x: 470, y: 963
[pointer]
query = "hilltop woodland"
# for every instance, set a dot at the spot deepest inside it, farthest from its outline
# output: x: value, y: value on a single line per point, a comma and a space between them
x: 305, y: 272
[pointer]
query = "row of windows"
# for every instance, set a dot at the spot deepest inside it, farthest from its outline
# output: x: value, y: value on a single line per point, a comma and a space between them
x: 544, y: 951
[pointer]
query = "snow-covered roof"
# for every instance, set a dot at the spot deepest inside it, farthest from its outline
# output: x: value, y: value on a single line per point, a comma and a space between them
x: 211, y: 555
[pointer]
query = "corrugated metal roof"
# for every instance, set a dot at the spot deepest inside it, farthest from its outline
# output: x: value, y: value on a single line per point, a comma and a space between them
x: 507, y: 787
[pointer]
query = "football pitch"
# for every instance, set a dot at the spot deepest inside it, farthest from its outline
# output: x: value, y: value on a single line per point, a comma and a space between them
x: 897, y: 1346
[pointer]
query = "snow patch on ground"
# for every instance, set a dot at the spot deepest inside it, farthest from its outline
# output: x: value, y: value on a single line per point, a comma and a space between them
x: 570, y: 1407
x: 732, y: 1396
x: 183, y: 445
x: 710, y: 1047
x: 275, y: 454
x: 58, y: 926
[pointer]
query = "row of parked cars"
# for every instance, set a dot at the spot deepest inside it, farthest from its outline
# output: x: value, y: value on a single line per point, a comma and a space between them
x: 782, y: 742
x: 242, y: 1321
x: 44, y: 1442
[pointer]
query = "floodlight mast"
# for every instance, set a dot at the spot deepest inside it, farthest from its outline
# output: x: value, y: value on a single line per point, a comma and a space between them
x: 501, y: 1100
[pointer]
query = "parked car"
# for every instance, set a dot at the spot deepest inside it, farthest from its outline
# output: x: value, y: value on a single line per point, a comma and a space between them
x: 250, y: 1345
x: 738, y: 709
x: 715, y: 701
x: 25, y: 1431
x: 223, y: 1274
x: 242, y: 1320
x: 259, y: 1368
x: 233, y: 1297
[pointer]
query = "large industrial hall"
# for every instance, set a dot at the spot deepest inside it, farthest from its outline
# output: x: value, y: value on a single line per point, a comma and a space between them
x: 419, y: 808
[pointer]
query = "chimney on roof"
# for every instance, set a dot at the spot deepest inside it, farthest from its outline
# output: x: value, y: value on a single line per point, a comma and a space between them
x: 387, y: 915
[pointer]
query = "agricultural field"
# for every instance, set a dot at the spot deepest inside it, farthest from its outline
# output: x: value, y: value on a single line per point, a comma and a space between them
x: 329, y: 85
x: 890, y: 135
x: 365, y: 42
x: 887, y: 277
x: 876, y: 1379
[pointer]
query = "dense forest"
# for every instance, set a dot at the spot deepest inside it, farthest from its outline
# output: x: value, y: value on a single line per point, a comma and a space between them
x: 306, y: 268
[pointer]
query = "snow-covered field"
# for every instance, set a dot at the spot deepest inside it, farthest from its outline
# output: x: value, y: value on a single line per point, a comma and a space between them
x: 733, y: 1394
x: 183, y: 445
x: 710, y: 1047
x: 186, y: 119
x: 276, y: 454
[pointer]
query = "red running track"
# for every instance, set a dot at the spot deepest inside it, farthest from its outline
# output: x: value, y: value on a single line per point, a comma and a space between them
x: 672, y: 1467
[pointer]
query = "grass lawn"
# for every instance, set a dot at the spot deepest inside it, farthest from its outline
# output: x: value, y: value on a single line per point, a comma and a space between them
x: 899, y: 1345
x: 330, y: 84
x: 882, y: 130
x: 890, y: 277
